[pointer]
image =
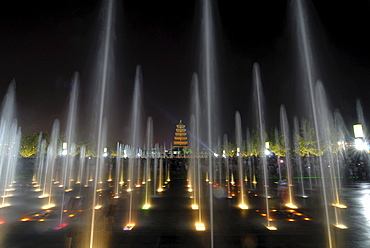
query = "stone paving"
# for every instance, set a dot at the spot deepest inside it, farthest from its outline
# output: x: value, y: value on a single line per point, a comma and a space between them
x: 170, y: 222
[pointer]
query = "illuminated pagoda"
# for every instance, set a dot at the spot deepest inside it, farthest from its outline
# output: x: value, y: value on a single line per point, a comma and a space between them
x: 180, y: 139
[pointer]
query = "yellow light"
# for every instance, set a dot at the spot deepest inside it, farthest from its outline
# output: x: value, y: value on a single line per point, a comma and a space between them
x: 273, y: 210
x: 65, y: 211
x: 194, y: 206
x: 43, y: 196
x: 121, y: 183
x: 137, y: 185
x: 338, y: 205
x: 271, y: 228
x: 200, y: 227
x: 48, y: 206
x: 290, y: 205
x: 159, y: 190
x: 110, y: 180
x: 243, y: 206
x: 25, y: 219
x: 98, y: 207
x: 306, y: 218
x: 129, y: 190
x: 71, y: 215
x: 146, y: 206
x: 271, y: 219
x: 340, y: 226
x: 298, y: 214
x: 41, y: 219
x: 291, y: 220
x: 263, y: 214
x: 78, y: 182
x: 37, y: 190
x: 37, y: 214
x: 129, y: 227
x: 190, y: 190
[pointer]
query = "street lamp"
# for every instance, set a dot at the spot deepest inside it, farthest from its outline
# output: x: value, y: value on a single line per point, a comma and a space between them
x: 360, y: 143
x: 105, y: 152
x: 64, y: 148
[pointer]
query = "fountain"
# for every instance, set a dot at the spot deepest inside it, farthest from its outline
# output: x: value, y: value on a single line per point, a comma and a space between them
x: 62, y: 179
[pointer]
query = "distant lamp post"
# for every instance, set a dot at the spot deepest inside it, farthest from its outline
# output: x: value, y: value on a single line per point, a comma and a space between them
x: 64, y: 148
x: 105, y: 152
x: 360, y: 143
x: 267, y: 147
x: 358, y: 131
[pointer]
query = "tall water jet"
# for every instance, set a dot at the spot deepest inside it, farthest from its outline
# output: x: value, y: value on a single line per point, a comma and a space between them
x: 37, y: 173
x: 194, y: 144
x: 243, y: 204
x: 81, y: 169
x: 9, y: 143
x: 135, y: 144
x: 68, y: 154
x: 285, y: 130
x: 149, y: 144
x: 40, y: 164
x: 328, y: 170
x: 209, y: 82
x: 104, y: 71
x: 310, y: 77
x: 52, y: 153
x: 261, y: 129
x: 225, y: 155
x: 297, y: 148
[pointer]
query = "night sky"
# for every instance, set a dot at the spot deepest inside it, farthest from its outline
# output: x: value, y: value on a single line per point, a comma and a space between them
x: 43, y: 43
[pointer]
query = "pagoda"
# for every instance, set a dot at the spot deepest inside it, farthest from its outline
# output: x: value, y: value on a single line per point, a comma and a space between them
x: 180, y: 139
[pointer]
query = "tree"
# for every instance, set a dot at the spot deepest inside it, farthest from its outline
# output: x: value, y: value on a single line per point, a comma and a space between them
x: 28, y: 147
x: 308, y: 142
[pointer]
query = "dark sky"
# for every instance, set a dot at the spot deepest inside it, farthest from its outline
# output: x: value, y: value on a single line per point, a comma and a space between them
x: 43, y: 43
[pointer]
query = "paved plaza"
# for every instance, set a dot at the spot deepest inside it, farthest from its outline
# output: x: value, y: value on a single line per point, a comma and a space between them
x: 170, y: 222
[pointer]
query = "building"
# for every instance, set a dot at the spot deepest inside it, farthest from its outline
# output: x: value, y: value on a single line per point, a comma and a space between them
x: 180, y: 139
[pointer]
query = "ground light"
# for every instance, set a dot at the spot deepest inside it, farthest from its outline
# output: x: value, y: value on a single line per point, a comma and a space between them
x: 146, y: 207
x: 194, y: 206
x: 199, y: 226
x: 271, y: 228
x: 243, y: 206
x: 290, y: 205
x: 338, y: 205
x: 129, y: 227
x: 341, y: 226
x: 48, y: 206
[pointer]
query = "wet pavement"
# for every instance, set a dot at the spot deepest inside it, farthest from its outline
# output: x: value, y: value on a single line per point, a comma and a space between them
x: 170, y: 222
